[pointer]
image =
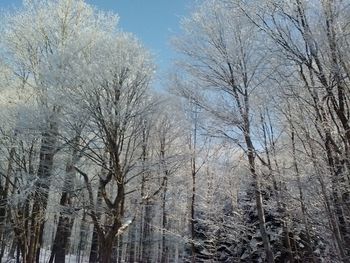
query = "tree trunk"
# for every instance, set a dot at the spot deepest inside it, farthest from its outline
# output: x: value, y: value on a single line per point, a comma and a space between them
x: 120, y: 248
x: 192, y: 223
x: 83, y: 233
x: 61, y: 242
x: 42, y: 186
x: 105, y: 254
x: 147, y: 234
x: 65, y: 222
x: 95, y: 238
x: 4, y: 191
x: 94, y: 247
x: 132, y: 243
x: 164, y: 245
x: 258, y: 199
x: 301, y: 197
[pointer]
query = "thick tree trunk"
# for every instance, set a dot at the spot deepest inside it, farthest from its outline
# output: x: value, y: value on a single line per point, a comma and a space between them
x: 61, y: 242
x: 107, y: 241
x: 94, y: 247
x: 65, y: 222
x: 113, y: 225
x: 42, y: 186
x: 105, y: 254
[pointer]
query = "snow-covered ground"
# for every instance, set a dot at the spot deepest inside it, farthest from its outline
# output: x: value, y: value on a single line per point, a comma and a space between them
x: 45, y: 256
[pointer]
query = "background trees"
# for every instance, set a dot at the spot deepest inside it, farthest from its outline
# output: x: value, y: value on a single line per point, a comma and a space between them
x: 234, y: 54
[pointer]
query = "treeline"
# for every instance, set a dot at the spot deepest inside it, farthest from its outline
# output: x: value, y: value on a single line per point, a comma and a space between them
x: 244, y: 157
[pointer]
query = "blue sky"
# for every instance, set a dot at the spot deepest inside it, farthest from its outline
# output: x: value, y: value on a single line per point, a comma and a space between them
x: 152, y: 21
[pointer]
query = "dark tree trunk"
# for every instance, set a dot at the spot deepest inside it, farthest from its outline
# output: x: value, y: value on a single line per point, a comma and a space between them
x: 94, y: 247
x: 65, y: 222
x: 105, y: 254
x: 4, y: 191
x: 61, y: 242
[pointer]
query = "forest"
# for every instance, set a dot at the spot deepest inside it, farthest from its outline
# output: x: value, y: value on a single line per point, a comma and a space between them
x: 243, y: 154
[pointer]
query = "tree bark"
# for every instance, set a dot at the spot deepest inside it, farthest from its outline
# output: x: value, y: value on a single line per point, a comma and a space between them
x: 93, y: 258
x: 147, y: 233
x: 65, y: 222
x: 105, y: 254
x: 4, y: 191
x: 258, y: 196
x: 42, y: 186
x: 164, y: 245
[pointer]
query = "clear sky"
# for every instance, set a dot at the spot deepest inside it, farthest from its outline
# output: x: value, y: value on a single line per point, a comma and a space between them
x: 152, y: 21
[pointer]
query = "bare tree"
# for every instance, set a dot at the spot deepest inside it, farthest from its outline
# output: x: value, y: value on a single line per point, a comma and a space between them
x: 117, y: 98
x: 223, y: 60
